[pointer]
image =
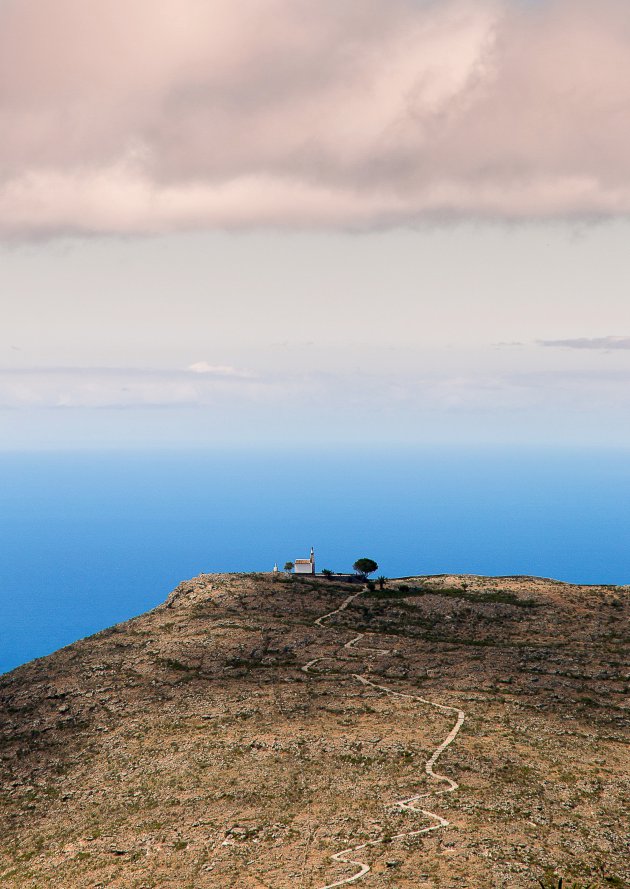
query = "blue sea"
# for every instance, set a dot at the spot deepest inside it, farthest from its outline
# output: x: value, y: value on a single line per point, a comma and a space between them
x: 89, y: 539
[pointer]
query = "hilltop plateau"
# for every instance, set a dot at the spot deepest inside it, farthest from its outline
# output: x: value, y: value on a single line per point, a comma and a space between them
x: 267, y: 732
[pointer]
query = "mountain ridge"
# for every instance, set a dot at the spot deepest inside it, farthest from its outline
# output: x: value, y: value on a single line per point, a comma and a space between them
x: 189, y: 746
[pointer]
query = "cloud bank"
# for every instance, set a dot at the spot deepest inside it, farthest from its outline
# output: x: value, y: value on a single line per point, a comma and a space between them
x: 160, y: 115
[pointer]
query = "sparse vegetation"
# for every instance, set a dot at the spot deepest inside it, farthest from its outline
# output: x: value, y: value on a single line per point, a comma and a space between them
x: 173, y: 664
x: 502, y: 597
x: 561, y: 884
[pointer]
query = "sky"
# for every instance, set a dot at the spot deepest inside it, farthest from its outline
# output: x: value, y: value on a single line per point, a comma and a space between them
x: 387, y: 221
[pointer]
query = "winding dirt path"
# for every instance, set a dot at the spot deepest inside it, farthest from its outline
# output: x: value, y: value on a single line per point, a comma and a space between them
x: 347, y: 856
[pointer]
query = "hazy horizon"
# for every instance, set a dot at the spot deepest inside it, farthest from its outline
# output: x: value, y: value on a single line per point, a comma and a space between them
x: 318, y: 338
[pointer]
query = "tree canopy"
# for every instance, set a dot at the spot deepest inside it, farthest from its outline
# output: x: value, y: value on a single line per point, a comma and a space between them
x: 365, y: 567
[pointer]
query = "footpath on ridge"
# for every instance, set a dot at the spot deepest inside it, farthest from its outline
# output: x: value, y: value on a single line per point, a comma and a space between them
x: 345, y: 856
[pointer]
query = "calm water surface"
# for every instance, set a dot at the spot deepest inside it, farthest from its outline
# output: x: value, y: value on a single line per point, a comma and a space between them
x: 87, y: 540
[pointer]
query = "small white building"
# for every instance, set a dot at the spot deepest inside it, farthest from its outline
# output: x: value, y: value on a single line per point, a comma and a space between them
x: 306, y: 566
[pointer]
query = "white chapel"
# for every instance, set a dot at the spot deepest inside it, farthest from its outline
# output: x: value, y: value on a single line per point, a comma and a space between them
x: 306, y: 566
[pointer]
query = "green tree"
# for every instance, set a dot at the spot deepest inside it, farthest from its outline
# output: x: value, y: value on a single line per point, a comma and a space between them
x: 327, y: 573
x: 381, y: 581
x: 289, y: 566
x: 363, y: 567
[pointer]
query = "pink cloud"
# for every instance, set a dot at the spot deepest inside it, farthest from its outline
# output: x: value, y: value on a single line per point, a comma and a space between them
x: 159, y: 115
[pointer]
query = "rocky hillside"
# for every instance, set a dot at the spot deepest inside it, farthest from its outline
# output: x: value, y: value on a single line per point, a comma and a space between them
x: 443, y: 732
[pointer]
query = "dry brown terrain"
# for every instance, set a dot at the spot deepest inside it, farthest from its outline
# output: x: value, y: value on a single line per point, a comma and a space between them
x: 189, y: 747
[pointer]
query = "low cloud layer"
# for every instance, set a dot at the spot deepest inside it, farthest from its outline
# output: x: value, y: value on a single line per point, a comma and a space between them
x: 79, y: 387
x: 598, y: 343
x: 160, y: 115
x: 314, y: 395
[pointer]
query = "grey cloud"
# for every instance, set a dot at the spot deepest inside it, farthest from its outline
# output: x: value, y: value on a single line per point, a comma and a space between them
x: 162, y: 115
